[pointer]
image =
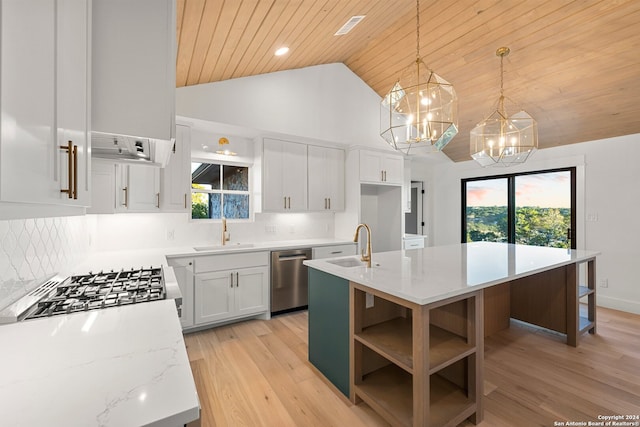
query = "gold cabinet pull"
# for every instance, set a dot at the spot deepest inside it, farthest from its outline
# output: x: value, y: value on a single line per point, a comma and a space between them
x: 285, y: 202
x: 158, y: 199
x: 329, y: 202
x: 185, y: 200
x: 69, y: 149
x: 126, y: 197
x: 237, y: 279
x: 75, y: 172
x: 231, y: 274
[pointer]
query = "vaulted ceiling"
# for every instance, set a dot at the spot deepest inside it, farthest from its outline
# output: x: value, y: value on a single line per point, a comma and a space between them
x: 574, y: 65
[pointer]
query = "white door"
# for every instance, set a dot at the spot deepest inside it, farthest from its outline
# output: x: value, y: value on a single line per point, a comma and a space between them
x: 214, y: 296
x: 144, y: 188
x: 393, y: 167
x: 252, y: 290
x: 371, y: 166
x: 318, y: 174
x: 295, y: 180
x: 273, y: 177
x: 335, y: 178
x: 72, y: 103
x: 175, y: 180
x: 27, y: 99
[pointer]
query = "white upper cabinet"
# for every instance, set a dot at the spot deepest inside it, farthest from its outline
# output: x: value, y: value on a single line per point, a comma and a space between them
x: 381, y: 168
x: 175, y: 178
x: 134, y: 66
x: 284, y: 176
x: 44, y: 69
x: 326, y: 178
x: 137, y: 188
x: 73, y: 99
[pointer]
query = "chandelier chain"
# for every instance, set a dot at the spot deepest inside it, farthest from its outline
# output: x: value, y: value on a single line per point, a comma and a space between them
x: 417, y: 29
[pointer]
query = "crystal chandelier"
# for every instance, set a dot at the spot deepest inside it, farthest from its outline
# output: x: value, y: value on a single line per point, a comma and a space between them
x: 500, y: 139
x: 420, y: 112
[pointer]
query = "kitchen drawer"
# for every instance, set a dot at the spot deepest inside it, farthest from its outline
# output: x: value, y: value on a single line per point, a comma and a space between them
x: 416, y: 243
x: 230, y: 261
x: 333, y: 251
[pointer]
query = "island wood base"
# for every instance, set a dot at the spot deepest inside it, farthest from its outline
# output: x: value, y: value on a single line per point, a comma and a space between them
x: 417, y: 365
x: 550, y: 299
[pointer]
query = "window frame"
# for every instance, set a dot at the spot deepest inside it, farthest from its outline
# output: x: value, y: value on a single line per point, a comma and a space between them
x: 222, y: 191
x: 511, y: 201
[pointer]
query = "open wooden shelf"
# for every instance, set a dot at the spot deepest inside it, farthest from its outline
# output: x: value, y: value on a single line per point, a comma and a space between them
x: 389, y: 391
x: 392, y: 340
x: 446, y: 348
x: 583, y: 291
x: 584, y: 324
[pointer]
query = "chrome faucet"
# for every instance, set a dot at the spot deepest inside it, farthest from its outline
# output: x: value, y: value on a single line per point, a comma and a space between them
x: 366, y: 256
x: 225, y: 233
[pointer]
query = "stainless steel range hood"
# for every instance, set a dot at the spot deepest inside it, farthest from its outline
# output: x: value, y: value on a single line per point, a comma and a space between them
x: 131, y: 149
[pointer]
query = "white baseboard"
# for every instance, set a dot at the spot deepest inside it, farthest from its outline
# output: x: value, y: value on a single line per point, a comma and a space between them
x: 618, y: 304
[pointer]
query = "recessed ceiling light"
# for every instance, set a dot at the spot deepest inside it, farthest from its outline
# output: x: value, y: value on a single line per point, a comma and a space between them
x: 281, y: 51
x: 348, y: 26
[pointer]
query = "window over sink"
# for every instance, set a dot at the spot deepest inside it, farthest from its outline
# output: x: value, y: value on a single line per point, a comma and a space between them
x: 219, y: 190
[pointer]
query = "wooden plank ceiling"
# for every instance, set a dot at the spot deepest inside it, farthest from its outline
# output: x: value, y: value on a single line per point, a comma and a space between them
x: 574, y: 65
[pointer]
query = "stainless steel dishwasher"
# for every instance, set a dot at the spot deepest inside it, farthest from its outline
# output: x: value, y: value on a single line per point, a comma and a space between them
x: 289, y: 289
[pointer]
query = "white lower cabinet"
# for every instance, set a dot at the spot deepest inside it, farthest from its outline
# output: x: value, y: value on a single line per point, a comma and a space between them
x: 183, y: 270
x: 230, y: 286
x: 224, y: 295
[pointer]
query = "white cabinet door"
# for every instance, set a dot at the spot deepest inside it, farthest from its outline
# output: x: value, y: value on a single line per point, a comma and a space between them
x: 27, y: 98
x: 284, y: 176
x: 138, y: 188
x: 371, y: 168
x: 214, y: 296
x: 326, y: 178
x: 393, y: 169
x: 252, y: 291
x: 103, y: 187
x: 379, y: 167
x: 175, y: 178
x: 183, y: 270
x: 72, y: 103
x: 134, y: 66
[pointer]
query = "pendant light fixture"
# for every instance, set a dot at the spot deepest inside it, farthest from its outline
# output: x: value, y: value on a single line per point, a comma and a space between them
x: 223, y: 147
x: 500, y: 139
x: 420, y: 112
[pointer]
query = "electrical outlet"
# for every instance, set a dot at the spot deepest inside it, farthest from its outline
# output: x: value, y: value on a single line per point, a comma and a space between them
x: 604, y: 283
x: 368, y: 300
x: 171, y: 234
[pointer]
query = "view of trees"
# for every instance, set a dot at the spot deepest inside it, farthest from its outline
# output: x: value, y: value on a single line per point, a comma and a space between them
x: 534, y: 226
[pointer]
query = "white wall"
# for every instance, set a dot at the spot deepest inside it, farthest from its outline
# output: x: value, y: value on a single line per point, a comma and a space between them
x: 324, y: 102
x: 165, y: 230
x: 607, y: 189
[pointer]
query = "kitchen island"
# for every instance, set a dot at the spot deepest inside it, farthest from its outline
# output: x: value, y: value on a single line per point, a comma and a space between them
x: 414, y: 340
x: 122, y: 366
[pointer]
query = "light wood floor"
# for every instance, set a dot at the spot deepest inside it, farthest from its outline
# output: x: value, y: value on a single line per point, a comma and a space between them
x: 256, y: 373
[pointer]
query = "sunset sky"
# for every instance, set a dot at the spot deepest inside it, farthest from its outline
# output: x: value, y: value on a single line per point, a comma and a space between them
x: 549, y: 190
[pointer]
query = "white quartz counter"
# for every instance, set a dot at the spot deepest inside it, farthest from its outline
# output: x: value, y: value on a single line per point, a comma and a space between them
x: 435, y: 273
x: 122, y: 366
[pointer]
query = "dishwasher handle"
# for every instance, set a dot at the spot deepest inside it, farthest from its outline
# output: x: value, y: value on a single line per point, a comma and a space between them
x: 293, y: 257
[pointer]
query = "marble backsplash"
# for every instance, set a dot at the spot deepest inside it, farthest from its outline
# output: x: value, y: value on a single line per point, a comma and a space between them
x: 35, y: 248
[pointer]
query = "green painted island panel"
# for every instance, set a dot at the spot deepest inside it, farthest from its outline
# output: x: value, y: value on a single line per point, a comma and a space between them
x: 329, y: 327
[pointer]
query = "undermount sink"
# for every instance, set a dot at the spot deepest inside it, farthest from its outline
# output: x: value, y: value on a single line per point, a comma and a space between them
x: 223, y: 247
x: 347, y: 262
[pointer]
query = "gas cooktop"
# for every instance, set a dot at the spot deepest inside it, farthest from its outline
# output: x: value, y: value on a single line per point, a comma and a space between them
x: 92, y: 291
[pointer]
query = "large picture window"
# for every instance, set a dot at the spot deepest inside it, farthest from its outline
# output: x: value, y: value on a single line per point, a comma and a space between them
x: 219, y: 190
x: 534, y: 208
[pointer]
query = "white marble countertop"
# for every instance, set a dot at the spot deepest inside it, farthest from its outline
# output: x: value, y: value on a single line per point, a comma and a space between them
x: 435, y: 273
x: 123, y: 366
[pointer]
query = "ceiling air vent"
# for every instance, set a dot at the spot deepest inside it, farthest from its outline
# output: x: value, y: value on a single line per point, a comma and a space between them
x: 348, y: 26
